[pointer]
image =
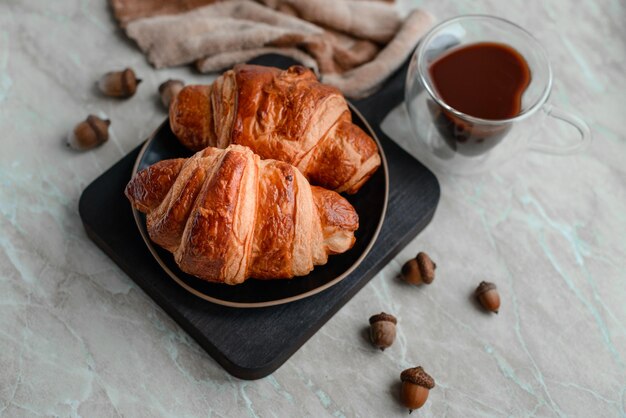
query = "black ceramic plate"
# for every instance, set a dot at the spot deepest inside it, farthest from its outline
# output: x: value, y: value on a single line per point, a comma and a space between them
x: 370, y: 203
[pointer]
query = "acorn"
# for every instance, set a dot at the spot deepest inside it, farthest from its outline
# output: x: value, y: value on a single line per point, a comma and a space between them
x: 487, y: 294
x: 88, y: 134
x: 420, y: 269
x: 122, y: 84
x: 383, y: 330
x: 168, y: 90
x: 416, y: 384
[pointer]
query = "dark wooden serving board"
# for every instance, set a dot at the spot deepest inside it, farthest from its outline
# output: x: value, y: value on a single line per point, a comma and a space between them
x: 252, y: 343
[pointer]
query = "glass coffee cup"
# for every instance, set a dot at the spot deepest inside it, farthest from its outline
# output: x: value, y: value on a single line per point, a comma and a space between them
x: 460, y: 143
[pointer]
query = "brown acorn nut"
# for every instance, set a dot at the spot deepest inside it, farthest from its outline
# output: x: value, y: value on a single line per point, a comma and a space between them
x: 122, y: 84
x: 383, y: 330
x: 487, y: 294
x: 420, y: 269
x: 416, y: 384
x: 168, y: 90
x: 88, y: 134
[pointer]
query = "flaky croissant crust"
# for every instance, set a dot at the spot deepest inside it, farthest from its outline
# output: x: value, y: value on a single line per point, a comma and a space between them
x: 227, y: 215
x: 287, y: 115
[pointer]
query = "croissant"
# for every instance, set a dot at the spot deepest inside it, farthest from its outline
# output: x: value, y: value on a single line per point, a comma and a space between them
x: 284, y: 115
x: 227, y: 215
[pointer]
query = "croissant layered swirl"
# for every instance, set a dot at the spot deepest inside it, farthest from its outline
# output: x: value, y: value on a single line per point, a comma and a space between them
x: 287, y: 115
x: 227, y: 215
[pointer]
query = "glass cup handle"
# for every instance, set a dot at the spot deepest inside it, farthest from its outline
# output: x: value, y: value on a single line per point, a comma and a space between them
x: 576, y: 122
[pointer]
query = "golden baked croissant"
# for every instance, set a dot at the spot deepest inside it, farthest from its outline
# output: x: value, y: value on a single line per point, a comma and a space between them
x: 285, y: 115
x: 227, y: 215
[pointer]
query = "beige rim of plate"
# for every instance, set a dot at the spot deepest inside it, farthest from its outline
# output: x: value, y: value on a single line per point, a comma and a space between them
x: 312, y: 292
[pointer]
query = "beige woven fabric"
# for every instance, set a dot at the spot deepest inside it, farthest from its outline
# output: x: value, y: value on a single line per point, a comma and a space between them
x: 352, y: 44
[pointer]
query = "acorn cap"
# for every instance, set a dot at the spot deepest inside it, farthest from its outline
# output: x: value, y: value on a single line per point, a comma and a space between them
x: 130, y: 81
x: 168, y: 90
x: 485, y: 287
x: 169, y: 83
x: 383, y: 317
x: 418, y: 376
x: 99, y: 126
x: 426, y: 266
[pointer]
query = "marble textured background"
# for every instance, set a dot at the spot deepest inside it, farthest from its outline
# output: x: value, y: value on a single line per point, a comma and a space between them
x: 78, y: 338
